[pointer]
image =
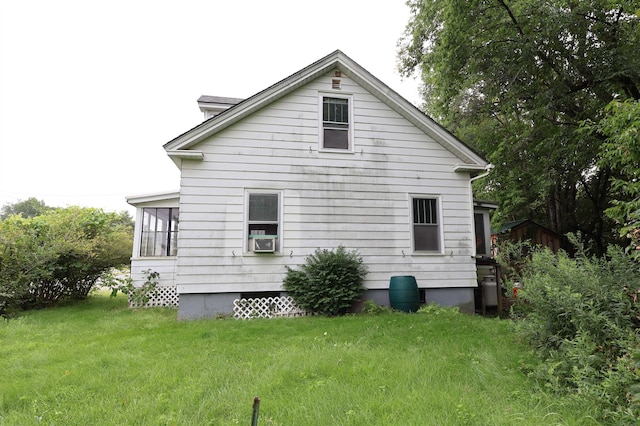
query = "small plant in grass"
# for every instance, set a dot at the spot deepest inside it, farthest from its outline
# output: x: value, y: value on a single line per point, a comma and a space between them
x: 138, y: 296
x: 435, y: 309
x: 372, y: 308
x: 329, y: 282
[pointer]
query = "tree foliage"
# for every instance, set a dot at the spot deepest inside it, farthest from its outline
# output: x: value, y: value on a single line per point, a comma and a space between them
x: 515, y: 79
x: 30, y: 207
x: 621, y: 152
x: 59, y: 255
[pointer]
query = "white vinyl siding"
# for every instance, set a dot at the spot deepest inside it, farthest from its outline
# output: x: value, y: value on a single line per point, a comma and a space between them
x: 327, y: 198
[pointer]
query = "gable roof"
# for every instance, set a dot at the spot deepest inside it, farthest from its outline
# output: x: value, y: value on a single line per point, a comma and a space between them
x: 182, y: 146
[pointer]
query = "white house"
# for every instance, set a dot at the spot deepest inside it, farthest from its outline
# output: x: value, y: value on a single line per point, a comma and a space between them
x: 328, y: 156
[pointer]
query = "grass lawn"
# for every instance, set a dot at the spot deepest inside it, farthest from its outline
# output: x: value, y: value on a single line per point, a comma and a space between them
x: 100, y: 363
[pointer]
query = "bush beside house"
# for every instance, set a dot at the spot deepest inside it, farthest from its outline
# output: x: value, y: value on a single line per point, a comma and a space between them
x: 329, y: 281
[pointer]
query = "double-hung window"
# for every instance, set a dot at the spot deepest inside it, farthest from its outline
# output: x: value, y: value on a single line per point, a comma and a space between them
x: 263, y: 218
x: 159, y: 232
x: 336, y: 117
x: 426, y: 224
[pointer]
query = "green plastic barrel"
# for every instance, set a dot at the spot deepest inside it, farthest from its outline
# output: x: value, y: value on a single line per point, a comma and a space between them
x: 403, y: 293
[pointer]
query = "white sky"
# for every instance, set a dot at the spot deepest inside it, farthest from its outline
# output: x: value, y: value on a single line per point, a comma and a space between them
x: 90, y: 90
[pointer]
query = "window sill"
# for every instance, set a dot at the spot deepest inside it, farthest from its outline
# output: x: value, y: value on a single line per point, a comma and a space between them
x: 336, y: 150
x: 427, y: 253
x: 153, y: 257
x: 264, y: 254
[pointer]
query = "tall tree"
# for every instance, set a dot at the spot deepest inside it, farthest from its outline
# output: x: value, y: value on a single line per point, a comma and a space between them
x: 621, y: 152
x: 30, y: 207
x: 515, y: 79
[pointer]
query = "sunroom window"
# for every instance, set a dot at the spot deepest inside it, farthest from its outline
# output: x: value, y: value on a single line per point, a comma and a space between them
x: 159, y: 232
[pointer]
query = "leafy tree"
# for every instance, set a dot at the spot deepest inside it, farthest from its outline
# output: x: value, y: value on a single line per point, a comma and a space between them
x: 59, y: 255
x: 30, y: 207
x: 515, y: 79
x: 621, y: 152
x: 21, y: 261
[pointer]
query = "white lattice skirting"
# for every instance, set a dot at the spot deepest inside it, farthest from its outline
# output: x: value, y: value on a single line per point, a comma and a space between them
x: 165, y: 297
x: 266, y: 307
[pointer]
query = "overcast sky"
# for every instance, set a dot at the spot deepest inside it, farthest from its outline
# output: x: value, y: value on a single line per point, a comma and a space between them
x: 90, y: 90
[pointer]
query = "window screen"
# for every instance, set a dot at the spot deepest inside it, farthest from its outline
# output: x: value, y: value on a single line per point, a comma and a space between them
x: 426, y: 232
x: 263, y: 215
x: 335, y: 122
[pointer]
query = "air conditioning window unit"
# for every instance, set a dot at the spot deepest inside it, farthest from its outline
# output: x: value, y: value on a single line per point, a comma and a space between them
x: 264, y: 245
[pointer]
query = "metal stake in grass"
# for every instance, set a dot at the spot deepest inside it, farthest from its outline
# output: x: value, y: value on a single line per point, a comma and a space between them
x: 256, y: 408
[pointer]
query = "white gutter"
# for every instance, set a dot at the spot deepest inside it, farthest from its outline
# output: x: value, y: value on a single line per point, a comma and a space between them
x: 488, y: 169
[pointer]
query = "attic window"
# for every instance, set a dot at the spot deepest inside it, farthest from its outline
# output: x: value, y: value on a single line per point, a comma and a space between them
x: 335, y: 84
x: 336, y: 118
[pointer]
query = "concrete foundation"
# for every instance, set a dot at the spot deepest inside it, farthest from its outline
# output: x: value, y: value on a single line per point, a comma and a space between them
x: 463, y: 297
x: 196, y: 306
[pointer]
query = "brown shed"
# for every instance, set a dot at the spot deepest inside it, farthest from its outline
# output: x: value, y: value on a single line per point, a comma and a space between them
x: 525, y: 229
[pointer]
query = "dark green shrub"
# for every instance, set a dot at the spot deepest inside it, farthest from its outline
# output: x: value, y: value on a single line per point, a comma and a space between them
x: 328, y: 283
x: 582, y: 316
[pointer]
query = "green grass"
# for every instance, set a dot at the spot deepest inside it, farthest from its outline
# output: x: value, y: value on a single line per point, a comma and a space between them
x: 100, y: 363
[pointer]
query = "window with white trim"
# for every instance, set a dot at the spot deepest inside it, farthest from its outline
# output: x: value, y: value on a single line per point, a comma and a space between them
x: 159, y: 232
x: 336, y: 122
x: 426, y: 224
x: 263, y: 218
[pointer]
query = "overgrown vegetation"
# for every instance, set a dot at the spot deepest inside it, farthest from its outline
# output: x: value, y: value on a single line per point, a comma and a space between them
x: 59, y: 254
x: 96, y: 362
x: 582, y: 317
x: 119, y: 281
x: 329, y: 281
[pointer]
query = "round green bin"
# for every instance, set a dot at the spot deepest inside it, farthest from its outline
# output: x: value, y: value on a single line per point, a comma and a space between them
x: 403, y: 293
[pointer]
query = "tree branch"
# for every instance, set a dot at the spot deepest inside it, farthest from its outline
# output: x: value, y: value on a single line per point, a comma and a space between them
x: 512, y: 16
